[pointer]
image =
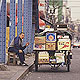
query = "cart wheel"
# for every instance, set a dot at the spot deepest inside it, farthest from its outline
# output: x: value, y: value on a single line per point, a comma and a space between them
x: 68, y: 67
x: 36, y: 61
x: 68, y: 63
x: 78, y: 46
x: 36, y: 67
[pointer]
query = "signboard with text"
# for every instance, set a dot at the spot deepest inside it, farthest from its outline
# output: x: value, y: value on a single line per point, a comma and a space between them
x: 64, y: 44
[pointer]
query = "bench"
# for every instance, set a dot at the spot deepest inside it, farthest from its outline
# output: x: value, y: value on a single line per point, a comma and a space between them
x: 12, y: 59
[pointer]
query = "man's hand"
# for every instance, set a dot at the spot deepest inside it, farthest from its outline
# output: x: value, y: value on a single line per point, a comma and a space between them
x: 27, y: 43
x: 20, y: 51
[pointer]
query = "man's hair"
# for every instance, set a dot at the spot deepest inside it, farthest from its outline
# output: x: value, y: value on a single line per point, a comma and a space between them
x: 21, y: 33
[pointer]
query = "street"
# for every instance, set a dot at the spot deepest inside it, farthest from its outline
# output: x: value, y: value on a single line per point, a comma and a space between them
x: 46, y: 73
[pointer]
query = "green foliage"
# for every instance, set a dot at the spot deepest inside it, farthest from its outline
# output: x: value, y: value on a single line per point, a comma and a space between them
x: 50, y: 2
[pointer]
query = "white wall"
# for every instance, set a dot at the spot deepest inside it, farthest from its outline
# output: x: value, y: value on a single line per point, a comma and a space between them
x: 75, y: 8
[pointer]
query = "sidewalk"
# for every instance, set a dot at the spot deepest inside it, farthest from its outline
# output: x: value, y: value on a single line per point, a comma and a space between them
x: 15, y: 72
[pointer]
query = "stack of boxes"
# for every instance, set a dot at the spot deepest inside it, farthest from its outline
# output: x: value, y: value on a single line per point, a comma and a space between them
x: 63, y: 42
x: 43, y: 57
x: 51, y: 42
x: 45, y: 43
x: 39, y: 43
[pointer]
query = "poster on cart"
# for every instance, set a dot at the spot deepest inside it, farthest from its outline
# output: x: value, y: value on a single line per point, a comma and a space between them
x: 50, y: 37
x: 59, y: 57
x: 64, y: 44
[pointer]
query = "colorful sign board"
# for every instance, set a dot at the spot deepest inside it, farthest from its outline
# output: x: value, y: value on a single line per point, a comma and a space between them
x: 50, y: 46
x: 50, y: 37
x: 64, y: 44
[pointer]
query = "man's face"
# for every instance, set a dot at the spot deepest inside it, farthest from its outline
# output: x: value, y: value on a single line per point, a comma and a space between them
x: 21, y: 36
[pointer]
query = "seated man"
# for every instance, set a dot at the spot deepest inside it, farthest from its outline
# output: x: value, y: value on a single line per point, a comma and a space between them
x: 16, y: 46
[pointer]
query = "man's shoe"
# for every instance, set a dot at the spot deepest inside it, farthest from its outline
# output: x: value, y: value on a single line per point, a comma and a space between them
x: 23, y: 64
x: 20, y: 64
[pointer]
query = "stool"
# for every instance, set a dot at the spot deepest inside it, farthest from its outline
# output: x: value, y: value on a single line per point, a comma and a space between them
x: 12, y: 58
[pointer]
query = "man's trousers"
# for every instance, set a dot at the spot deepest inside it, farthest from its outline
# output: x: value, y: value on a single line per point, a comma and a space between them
x: 20, y: 55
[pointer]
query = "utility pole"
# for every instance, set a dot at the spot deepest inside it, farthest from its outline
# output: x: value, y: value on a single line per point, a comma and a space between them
x: 35, y: 15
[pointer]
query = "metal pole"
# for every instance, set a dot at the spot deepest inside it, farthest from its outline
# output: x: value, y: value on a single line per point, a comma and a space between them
x: 3, y: 21
x: 19, y: 15
x: 37, y: 16
x: 27, y: 26
x: 12, y: 19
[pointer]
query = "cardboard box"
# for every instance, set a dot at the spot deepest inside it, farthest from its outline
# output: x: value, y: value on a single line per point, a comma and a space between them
x: 43, y: 57
x: 59, y: 57
x: 40, y: 40
x: 64, y: 44
x: 50, y: 46
x: 39, y: 46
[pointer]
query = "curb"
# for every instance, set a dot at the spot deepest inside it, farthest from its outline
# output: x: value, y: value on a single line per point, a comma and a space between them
x: 19, y: 75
